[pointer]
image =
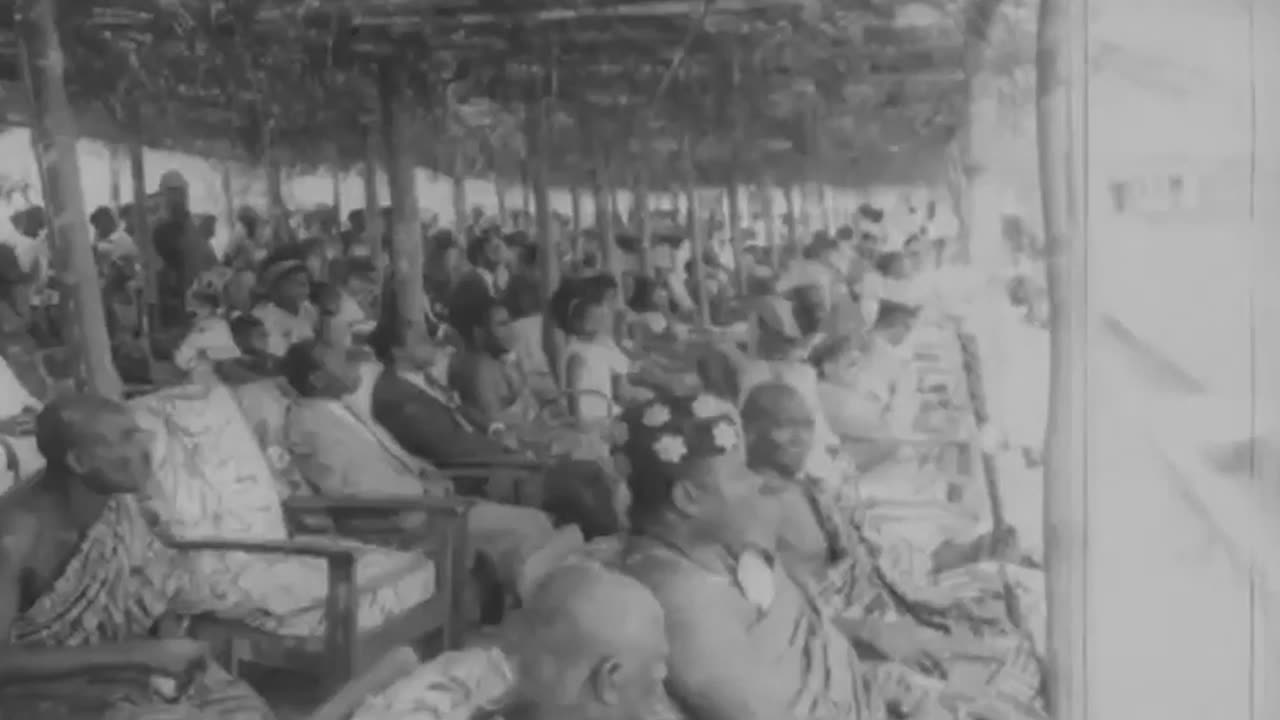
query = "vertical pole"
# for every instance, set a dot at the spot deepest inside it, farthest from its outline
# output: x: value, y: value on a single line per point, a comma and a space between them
x: 459, y: 182
x: 406, y: 240
x: 770, y: 223
x: 1061, y: 111
x: 696, y: 241
x: 640, y: 201
x: 73, y: 261
x: 549, y: 252
x: 793, y: 217
x: 372, y: 207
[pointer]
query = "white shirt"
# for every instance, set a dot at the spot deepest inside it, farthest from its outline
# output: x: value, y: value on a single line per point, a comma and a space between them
x: 209, y: 340
x: 117, y: 245
x: 602, y: 361
x: 284, y: 328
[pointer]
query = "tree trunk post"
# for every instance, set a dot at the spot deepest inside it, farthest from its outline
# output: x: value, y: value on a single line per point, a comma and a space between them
x: 640, y: 200
x: 1060, y: 116
x: 770, y: 223
x: 372, y: 206
x: 696, y: 241
x: 406, y: 239
x: 458, y: 178
x: 73, y: 262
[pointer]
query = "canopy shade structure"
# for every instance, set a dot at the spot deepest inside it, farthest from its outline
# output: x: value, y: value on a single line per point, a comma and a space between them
x: 178, y: 71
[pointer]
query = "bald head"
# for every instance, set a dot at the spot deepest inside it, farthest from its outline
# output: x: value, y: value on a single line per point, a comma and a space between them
x: 96, y: 442
x: 587, y: 607
x: 770, y: 403
x: 591, y: 644
x: 68, y: 421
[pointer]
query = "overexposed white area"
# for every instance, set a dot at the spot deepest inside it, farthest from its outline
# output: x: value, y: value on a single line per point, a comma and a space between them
x: 1178, y: 543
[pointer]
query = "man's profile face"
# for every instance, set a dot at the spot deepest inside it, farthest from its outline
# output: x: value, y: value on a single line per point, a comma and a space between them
x: 498, y: 330
x: 115, y: 450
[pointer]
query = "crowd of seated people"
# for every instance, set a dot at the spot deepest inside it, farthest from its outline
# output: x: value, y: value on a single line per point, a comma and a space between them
x: 768, y: 599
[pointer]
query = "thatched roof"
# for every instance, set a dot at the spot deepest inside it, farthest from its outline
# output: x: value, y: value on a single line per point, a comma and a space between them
x: 847, y: 71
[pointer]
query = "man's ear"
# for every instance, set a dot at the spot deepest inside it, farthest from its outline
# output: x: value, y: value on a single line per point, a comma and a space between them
x: 605, y: 680
x: 76, y: 462
x: 684, y: 496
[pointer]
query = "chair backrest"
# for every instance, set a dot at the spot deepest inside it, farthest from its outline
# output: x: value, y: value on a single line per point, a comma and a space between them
x: 264, y: 404
x: 360, y: 403
x: 210, y: 476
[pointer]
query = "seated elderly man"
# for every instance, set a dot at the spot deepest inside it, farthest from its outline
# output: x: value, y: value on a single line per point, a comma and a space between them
x: 588, y: 645
x: 748, y: 641
x: 85, y: 587
x: 339, y: 455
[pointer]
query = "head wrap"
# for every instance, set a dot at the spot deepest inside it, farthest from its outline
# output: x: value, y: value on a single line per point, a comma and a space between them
x: 668, y: 432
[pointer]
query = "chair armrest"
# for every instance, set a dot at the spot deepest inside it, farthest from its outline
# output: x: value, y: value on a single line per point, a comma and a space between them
x: 300, y: 547
x: 913, y: 440
x: 450, y: 507
x: 493, y: 462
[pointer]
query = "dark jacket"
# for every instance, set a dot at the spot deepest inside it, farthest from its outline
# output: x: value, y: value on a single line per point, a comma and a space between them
x: 426, y: 426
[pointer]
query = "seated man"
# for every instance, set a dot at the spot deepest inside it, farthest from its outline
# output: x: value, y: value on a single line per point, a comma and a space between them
x: 588, y: 645
x: 426, y: 420
x: 84, y: 585
x: 422, y: 415
x: 489, y: 386
x: 817, y: 533
x: 746, y: 640
x: 338, y: 455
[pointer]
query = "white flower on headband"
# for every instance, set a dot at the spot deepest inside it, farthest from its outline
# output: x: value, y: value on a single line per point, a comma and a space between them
x: 670, y: 448
x: 656, y: 416
x: 707, y: 406
x: 725, y: 436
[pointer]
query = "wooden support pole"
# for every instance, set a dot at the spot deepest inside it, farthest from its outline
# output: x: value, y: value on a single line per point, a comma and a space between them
x: 793, y: 217
x: 735, y: 236
x: 84, y: 320
x: 770, y: 224
x: 406, y: 238
x: 696, y: 240
x: 1060, y: 114
x: 539, y: 135
x: 644, y: 220
x: 500, y: 196
x: 228, y: 198
x: 141, y: 221
x: 373, y: 230
x: 458, y: 180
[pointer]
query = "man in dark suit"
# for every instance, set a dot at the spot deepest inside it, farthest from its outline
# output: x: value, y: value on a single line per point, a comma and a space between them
x: 427, y: 420
x: 487, y: 253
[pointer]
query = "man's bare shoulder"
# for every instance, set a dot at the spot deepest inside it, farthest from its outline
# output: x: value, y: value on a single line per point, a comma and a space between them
x: 684, y: 589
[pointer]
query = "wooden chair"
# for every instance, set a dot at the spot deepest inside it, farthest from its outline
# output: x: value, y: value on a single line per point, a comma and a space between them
x: 267, y: 596
x: 344, y: 650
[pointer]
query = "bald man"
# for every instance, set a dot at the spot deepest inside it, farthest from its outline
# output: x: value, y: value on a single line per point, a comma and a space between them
x: 589, y: 644
x: 84, y: 583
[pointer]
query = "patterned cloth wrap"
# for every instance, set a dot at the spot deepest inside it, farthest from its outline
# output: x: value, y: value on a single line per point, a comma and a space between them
x: 864, y: 582
x: 119, y: 585
x: 211, y: 479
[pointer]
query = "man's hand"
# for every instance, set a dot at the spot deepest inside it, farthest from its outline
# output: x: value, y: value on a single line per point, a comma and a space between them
x: 177, y: 658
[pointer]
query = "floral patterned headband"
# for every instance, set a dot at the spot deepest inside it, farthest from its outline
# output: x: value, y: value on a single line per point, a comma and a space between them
x: 670, y: 431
